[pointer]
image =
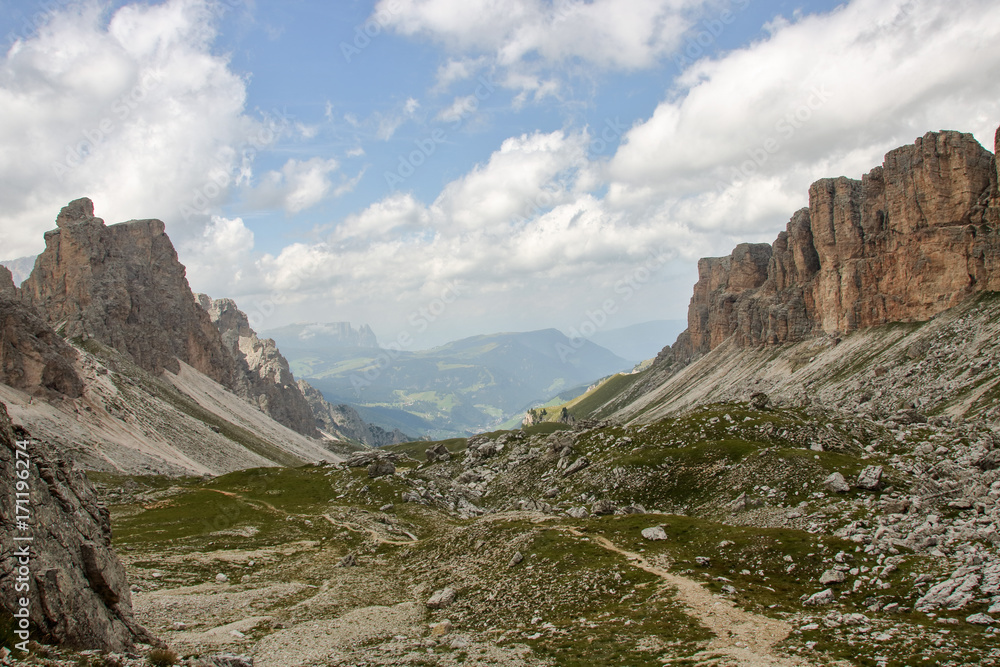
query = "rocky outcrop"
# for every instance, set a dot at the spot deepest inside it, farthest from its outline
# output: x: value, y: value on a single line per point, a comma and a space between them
x: 78, y: 594
x: 911, y: 239
x: 33, y: 358
x: 263, y: 377
x: 343, y: 421
x: 124, y: 286
x: 20, y: 268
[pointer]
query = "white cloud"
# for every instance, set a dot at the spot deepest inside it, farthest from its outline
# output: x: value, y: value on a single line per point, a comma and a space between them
x: 601, y: 32
x: 133, y: 110
x: 459, y: 108
x: 511, y: 229
x: 458, y: 69
x: 298, y: 186
x: 736, y: 145
x: 540, y: 227
x: 527, y: 37
x: 218, y: 260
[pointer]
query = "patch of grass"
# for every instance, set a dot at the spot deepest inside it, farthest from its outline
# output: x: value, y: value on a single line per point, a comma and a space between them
x: 163, y: 657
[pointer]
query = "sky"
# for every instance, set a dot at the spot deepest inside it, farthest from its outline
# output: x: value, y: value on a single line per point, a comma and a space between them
x: 444, y: 168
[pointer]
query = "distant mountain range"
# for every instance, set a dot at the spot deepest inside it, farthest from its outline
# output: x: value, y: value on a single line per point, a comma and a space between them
x: 322, y: 335
x: 456, y: 389
x: 20, y: 268
x: 640, y: 341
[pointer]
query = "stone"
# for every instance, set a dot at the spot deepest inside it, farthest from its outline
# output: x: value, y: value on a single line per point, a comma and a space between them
x: 832, y: 577
x: 953, y: 593
x: 441, y: 629
x: 655, y: 533
x: 836, y: 483
x: 442, y: 598
x: 703, y: 561
x: 989, y: 461
x: 576, y: 466
x: 381, y: 468
x: 603, y: 507
x: 350, y: 560
x: 516, y: 559
x: 759, y: 401
x: 87, y: 599
x: 437, y: 453
x: 221, y: 578
x: 979, y: 619
x: 578, y: 512
x: 870, y: 478
x: 824, y: 597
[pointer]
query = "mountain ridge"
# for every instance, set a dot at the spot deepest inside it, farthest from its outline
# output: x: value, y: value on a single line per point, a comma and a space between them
x: 913, y: 237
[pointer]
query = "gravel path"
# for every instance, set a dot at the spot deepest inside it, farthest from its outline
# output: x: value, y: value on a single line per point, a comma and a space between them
x: 741, y: 637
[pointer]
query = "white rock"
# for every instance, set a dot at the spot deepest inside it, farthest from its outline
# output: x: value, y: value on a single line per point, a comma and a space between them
x: 654, y: 533
x: 836, y: 483
x: 442, y: 598
x: 980, y: 619
x: 832, y: 577
x: 821, y: 598
x: 870, y: 478
x: 221, y: 578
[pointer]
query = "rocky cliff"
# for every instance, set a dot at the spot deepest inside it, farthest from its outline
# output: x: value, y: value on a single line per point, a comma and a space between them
x: 123, y: 285
x: 343, y: 421
x: 911, y: 239
x: 78, y: 594
x: 263, y: 377
x: 33, y: 358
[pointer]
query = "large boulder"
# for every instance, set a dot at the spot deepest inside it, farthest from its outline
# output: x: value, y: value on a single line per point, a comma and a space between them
x: 77, y: 591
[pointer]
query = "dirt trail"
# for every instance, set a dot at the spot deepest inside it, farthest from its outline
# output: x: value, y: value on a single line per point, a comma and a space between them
x: 371, y: 531
x: 741, y: 637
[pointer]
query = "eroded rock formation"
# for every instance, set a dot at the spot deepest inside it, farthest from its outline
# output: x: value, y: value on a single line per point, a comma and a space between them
x: 912, y: 238
x: 78, y: 593
x: 124, y: 286
x: 343, y: 421
x: 33, y: 357
x: 263, y: 377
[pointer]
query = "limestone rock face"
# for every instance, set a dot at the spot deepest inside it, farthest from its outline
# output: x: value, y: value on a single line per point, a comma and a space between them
x: 79, y: 596
x: 911, y: 239
x: 343, y: 421
x: 262, y: 377
x: 124, y: 286
x: 33, y: 357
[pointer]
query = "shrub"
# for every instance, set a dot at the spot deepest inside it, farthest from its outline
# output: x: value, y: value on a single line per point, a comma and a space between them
x: 163, y: 657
